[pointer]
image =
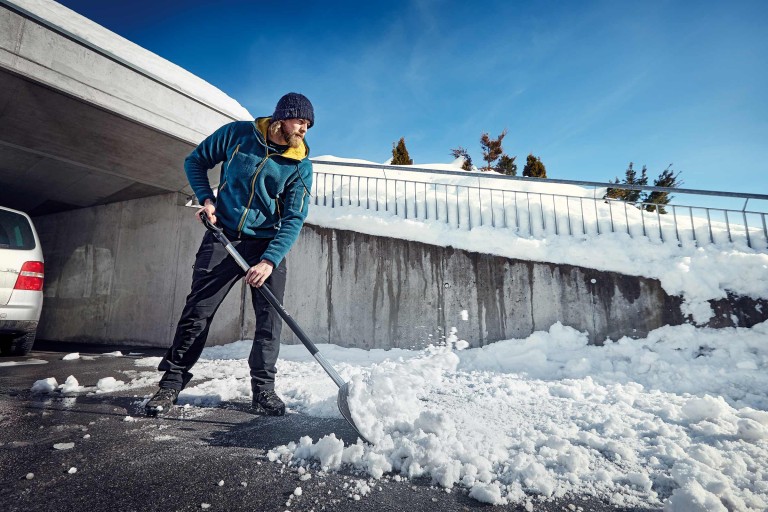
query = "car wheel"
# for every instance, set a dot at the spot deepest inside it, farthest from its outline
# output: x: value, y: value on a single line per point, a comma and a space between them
x: 22, y: 345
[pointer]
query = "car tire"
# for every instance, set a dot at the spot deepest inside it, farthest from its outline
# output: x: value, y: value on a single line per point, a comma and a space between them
x: 22, y: 345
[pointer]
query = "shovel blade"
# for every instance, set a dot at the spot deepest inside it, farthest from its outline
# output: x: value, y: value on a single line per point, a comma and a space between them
x: 343, y: 403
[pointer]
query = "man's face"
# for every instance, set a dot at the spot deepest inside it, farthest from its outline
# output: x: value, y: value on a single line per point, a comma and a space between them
x: 293, y: 131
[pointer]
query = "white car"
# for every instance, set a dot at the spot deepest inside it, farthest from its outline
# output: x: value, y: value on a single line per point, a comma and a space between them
x: 21, y: 282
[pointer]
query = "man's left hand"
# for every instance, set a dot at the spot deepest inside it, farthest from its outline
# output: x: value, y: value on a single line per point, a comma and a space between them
x: 259, y: 273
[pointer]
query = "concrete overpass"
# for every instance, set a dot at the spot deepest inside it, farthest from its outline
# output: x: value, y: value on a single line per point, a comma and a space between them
x: 88, y: 118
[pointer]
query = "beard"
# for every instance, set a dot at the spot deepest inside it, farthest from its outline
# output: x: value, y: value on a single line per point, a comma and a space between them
x: 294, y: 139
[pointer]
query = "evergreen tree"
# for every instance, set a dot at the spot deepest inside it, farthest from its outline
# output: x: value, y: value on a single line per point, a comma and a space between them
x: 507, y: 165
x: 630, y: 178
x: 668, y: 179
x: 534, y: 168
x: 615, y: 193
x: 400, y: 154
x: 491, y: 149
x: 460, y: 152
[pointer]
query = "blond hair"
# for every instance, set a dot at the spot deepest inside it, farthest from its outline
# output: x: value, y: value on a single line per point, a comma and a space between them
x: 274, y: 127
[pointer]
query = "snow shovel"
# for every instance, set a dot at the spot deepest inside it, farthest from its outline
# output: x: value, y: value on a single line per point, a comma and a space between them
x: 343, y: 397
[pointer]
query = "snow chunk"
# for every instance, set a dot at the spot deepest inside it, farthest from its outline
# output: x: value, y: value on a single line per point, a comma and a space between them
x: 63, y: 446
x: 108, y: 384
x: 44, y: 385
x: 694, y: 498
x: 751, y: 430
x: 705, y: 408
x: 487, y: 493
x: 71, y: 357
x: 71, y: 385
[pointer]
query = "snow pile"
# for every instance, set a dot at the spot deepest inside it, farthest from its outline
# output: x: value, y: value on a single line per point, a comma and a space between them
x: 677, y: 419
x: 525, y: 417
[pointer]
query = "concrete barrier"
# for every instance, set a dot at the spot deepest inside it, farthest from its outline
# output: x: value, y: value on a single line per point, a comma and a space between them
x: 120, y: 273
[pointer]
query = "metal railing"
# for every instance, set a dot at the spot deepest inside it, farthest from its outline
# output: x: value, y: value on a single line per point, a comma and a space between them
x: 530, y: 206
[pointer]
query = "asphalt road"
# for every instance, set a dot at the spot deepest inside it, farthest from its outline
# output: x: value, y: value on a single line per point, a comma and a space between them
x: 201, y: 459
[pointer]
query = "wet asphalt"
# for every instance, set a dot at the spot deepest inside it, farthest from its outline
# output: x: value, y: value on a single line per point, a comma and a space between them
x: 191, y: 459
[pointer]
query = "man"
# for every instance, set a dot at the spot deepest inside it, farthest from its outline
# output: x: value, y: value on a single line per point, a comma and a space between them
x: 262, y: 201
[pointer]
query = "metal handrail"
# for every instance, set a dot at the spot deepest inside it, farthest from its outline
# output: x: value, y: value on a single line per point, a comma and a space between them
x: 534, y: 213
x: 483, y: 175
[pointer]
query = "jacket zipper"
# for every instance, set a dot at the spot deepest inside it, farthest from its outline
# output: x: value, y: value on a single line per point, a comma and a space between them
x: 237, y: 148
x: 303, y: 195
x: 253, y: 190
x: 277, y: 203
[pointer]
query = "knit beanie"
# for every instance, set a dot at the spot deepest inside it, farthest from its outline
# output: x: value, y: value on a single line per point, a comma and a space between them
x: 294, y: 106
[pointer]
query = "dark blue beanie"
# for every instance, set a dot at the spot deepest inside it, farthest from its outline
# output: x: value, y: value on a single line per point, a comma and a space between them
x: 294, y: 106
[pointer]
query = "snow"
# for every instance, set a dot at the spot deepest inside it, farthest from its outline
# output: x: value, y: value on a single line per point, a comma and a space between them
x: 632, y: 422
x: 697, y: 273
x: 678, y: 419
x: 71, y: 357
x: 44, y: 385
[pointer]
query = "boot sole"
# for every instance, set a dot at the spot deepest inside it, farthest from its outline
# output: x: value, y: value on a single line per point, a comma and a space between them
x: 269, y: 412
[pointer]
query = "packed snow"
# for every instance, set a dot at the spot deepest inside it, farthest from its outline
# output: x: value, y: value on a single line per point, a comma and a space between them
x: 677, y: 419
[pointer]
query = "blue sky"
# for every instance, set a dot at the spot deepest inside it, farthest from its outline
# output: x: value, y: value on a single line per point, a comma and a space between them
x: 588, y: 86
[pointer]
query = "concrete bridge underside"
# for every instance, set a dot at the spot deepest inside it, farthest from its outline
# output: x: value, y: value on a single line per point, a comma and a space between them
x: 59, y: 153
x: 81, y: 127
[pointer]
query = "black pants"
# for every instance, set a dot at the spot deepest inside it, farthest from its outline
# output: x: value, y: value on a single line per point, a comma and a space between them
x: 215, y: 272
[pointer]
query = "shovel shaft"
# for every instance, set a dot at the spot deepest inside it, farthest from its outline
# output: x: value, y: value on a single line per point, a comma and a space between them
x: 267, y: 293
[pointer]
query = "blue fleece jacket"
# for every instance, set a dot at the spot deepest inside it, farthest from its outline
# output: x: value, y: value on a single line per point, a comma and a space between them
x: 263, y: 192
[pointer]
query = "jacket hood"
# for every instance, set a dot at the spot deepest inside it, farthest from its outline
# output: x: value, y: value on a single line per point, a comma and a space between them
x: 261, y: 125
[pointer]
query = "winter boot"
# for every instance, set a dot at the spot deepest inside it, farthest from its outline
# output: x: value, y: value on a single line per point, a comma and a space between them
x: 269, y: 403
x: 161, y: 402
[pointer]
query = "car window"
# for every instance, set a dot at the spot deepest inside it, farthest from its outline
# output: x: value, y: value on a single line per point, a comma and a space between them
x: 15, y: 231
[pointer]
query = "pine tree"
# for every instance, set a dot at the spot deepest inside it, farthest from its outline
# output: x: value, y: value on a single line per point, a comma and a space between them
x: 534, y: 167
x: 491, y: 149
x: 667, y: 179
x: 633, y: 196
x: 615, y: 193
x: 630, y: 178
x: 461, y: 152
x: 507, y: 165
x: 400, y: 154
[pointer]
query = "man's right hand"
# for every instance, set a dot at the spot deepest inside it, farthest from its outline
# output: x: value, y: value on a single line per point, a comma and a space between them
x: 208, y: 209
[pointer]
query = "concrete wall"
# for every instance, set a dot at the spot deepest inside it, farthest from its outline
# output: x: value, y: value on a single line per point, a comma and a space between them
x: 119, y: 273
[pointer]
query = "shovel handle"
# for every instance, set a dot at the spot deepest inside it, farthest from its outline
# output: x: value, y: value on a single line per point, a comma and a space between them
x: 267, y: 293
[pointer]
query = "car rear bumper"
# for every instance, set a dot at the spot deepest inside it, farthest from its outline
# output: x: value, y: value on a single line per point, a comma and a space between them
x: 17, y: 327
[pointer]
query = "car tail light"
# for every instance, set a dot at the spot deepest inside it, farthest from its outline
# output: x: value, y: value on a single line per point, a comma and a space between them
x: 31, y: 276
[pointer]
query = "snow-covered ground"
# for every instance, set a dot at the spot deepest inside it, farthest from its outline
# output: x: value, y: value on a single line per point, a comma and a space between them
x: 677, y: 419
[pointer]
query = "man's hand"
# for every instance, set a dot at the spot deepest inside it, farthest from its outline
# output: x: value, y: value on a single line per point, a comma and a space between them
x: 259, y: 273
x: 208, y: 209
